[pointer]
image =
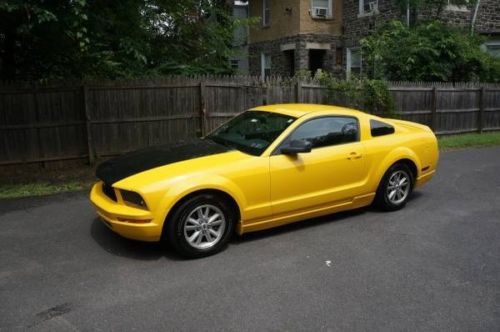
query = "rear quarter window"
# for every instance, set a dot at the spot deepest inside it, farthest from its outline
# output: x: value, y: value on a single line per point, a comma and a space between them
x: 379, y: 128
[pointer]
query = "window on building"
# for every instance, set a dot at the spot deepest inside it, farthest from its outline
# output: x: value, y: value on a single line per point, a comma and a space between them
x: 457, y: 5
x: 266, y: 13
x: 367, y: 7
x: 339, y: 56
x: 321, y: 8
x: 290, y: 61
x: 235, y: 64
x: 316, y: 60
x: 354, y: 61
x: 265, y: 63
x: 240, y: 34
x: 493, y: 48
x: 326, y: 131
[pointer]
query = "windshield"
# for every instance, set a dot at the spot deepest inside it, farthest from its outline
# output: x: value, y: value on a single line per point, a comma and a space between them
x: 252, y: 131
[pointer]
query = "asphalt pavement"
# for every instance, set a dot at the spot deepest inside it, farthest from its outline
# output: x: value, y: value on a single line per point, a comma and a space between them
x: 434, y: 265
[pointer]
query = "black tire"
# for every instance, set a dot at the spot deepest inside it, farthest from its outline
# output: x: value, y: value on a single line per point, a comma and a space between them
x: 178, y: 230
x: 387, y: 192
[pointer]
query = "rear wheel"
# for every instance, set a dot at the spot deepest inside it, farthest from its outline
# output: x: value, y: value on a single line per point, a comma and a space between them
x: 395, y: 188
x: 200, y: 226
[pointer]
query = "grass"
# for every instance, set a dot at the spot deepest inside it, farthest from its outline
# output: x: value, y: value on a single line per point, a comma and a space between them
x: 469, y: 140
x: 39, y: 189
x: 33, y: 181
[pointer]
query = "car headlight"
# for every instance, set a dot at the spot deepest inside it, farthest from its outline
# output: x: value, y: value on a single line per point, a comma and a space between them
x: 133, y: 198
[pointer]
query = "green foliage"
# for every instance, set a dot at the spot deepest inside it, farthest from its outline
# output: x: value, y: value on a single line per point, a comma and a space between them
x: 469, y: 140
x: 116, y: 38
x: 39, y: 189
x: 361, y: 93
x: 428, y: 52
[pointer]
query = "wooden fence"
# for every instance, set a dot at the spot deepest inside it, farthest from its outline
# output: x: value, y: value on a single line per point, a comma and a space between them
x: 71, y: 120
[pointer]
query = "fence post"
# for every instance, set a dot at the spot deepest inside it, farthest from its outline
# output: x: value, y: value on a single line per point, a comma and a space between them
x: 264, y: 94
x: 434, y: 109
x: 298, y: 92
x: 480, y: 116
x: 202, y: 112
x: 88, y: 125
x: 41, y: 152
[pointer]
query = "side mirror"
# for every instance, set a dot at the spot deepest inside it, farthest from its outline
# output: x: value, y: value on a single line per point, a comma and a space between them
x: 296, y: 147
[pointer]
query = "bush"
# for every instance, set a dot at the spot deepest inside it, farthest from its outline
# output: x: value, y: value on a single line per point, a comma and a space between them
x: 369, y: 95
x: 430, y: 51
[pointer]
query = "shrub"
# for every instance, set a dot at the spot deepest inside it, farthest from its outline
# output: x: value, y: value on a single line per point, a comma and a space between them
x: 369, y: 95
x: 430, y: 51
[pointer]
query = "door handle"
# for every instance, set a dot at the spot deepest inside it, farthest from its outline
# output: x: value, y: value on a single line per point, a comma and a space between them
x: 354, y: 155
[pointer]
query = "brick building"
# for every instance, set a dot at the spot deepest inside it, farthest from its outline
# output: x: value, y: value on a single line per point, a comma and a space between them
x: 293, y: 35
x: 324, y: 34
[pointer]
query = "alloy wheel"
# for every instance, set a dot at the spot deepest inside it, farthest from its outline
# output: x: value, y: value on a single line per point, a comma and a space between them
x: 204, y: 226
x: 398, y: 187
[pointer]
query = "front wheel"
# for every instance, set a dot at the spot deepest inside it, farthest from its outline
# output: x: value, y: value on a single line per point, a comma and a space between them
x: 395, y: 188
x: 200, y: 226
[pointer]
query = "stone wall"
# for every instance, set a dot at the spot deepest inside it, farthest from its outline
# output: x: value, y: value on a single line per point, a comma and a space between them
x: 488, y: 17
x: 285, y: 17
x: 291, y: 23
x: 279, y: 63
x: 358, y: 26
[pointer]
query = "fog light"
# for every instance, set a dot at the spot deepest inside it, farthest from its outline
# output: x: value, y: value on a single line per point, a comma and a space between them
x: 134, y: 221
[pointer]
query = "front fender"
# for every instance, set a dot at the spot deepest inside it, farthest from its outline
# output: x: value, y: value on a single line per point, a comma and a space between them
x: 197, y: 183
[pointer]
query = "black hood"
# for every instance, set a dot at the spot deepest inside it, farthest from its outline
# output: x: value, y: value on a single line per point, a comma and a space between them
x: 119, y: 168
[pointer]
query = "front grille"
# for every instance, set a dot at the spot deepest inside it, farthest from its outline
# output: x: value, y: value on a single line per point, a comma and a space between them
x: 109, y: 191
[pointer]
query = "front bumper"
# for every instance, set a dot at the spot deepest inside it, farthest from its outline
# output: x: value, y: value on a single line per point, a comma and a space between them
x: 129, y: 222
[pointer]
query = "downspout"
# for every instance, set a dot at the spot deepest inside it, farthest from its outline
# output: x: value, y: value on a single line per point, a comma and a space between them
x: 474, y: 16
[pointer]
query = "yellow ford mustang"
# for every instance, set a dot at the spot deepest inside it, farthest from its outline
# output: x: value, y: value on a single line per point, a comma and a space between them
x: 269, y: 166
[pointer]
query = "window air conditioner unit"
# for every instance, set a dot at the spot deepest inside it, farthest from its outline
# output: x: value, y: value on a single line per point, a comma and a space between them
x: 320, y: 11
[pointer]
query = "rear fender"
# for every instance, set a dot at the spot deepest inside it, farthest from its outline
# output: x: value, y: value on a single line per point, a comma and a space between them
x: 393, y: 157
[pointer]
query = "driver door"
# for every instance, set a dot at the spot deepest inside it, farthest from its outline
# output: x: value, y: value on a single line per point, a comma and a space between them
x: 333, y: 172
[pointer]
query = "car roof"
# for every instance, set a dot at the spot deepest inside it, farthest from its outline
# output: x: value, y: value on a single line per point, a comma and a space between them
x: 298, y: 110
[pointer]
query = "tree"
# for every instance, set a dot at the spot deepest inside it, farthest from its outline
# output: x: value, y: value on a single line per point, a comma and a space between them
x: 430, y: 51
x: 44, y: 39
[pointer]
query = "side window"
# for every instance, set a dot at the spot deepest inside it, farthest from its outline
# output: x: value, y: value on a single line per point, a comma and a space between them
x: 379, y: 128
x: 266, y: 13
x: 326, y: 131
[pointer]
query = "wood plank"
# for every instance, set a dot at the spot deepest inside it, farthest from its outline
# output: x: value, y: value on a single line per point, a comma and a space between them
x: 143, y: 87
x: 41, y: 125
x: 468, y: 110
x: 44, y: 159
x: 434, y: 109
x: 88, y: 125
x: 223, y: 115
x: 144, y: 119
